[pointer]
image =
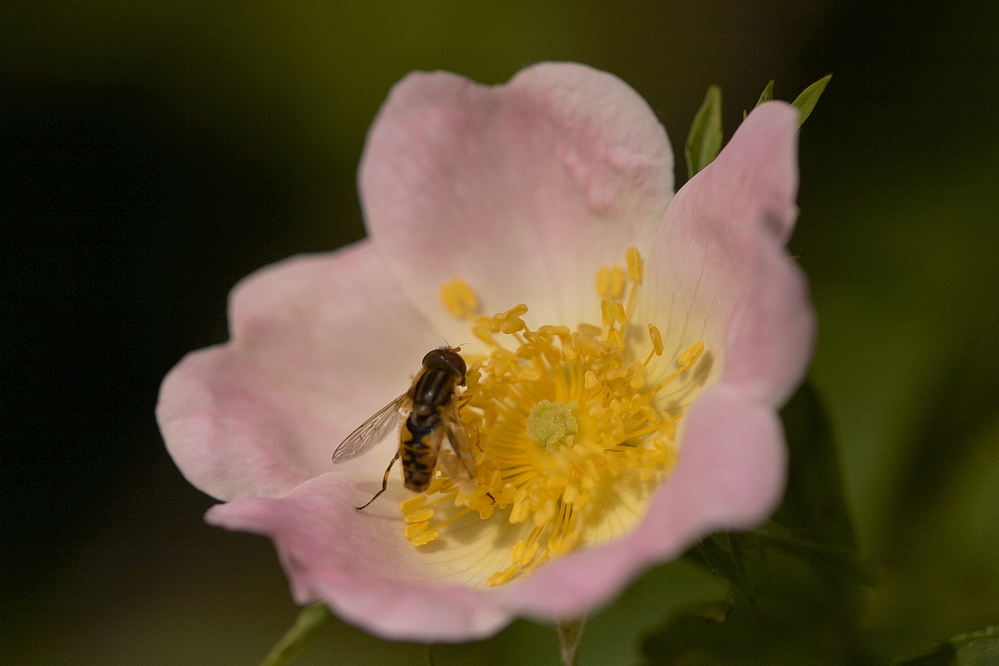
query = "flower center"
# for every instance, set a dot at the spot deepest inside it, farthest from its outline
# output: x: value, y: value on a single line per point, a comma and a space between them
x: 571, y: 438
x: 551, y: 425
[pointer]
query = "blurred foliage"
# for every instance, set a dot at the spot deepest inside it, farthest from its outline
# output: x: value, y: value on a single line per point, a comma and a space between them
x: 809, y: 97
x: 151, y: 154
x: 976, y: 648
x: 704, y: 141
x: 795, y: 585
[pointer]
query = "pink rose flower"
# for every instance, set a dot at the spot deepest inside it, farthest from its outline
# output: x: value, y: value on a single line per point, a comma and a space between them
x: 628, y: 350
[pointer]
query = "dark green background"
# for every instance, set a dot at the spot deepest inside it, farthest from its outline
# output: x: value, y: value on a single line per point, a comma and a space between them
x: 151, y: 154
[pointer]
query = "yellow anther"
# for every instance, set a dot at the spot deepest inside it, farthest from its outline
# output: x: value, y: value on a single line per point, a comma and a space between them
x: 421, y: 516
x: 415, y: 530
x: 610, y: 282
x: 512, y: 322
x: 635, y: 265
x: 638, y: 375
x: 516, y: 311
x: 545, y: 513
x: 458, y: 298
x: 688, y: 358
x: 612, y: 312
x: 501, y: 577
x: 425, y: 538
x: 590, y: 380
x: 530, y: 373
x: 562, y: 332
x: 657, y: 340
x: 523, y: 552
x: 615, y: 373
x: 413, y: 503
x: 521, y: 512
x: 482, y: 329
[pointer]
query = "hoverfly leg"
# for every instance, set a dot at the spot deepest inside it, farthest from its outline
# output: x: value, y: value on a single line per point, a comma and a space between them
x: 461, y: 402
x: 384, y: 484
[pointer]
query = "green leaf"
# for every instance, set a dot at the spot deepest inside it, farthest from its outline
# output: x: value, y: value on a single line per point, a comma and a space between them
x: 705, y: 139
x: 307, y: 626
x: 977, y: 648
x: 795, y: 584
x: 813, y: 518
x: 809, y: 97
x: 765, y: 96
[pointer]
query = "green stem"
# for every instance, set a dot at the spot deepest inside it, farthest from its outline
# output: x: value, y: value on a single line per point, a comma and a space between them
x: 570, y: 633
x: 310, y: 621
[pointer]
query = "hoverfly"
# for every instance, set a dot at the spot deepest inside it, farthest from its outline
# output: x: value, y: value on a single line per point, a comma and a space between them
x: 431, y: 412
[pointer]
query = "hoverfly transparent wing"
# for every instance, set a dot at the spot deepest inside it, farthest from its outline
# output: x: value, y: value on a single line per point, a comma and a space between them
x: 370, y: 432
x: 460, y: 468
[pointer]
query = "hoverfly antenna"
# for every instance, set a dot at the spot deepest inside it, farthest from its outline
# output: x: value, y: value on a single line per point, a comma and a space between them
x: 457, y: 348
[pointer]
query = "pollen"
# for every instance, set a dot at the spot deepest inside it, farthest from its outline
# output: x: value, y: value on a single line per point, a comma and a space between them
x: 574, y: 429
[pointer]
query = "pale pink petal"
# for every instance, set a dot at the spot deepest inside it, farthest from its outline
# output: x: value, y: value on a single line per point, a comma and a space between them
x: 316, y: 348
x: 360, y: 564
x: 753, y: 185
x: 522, y: 190
x: 718, y: 271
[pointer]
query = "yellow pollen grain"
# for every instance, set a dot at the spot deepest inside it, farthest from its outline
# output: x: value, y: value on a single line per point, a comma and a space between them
x: 458, y: 298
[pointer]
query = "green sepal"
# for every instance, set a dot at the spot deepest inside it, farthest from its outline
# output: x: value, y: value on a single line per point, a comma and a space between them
x: 795, y: 584
x: 570, y: 633
x: 308, y: 624
x: 977, y: 648
x: 765, y: 96
x: 809, y: 97
x: 705, y: 139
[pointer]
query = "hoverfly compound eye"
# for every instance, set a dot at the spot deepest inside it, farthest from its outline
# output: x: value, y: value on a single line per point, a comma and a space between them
x: 447, y: 359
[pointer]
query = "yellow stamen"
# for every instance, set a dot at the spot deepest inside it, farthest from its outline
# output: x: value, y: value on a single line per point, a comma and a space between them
x: 657, y: 343
x: 635, y: 265
x: 458, y: 298
x: 573, y: 433
x: 610, y: 282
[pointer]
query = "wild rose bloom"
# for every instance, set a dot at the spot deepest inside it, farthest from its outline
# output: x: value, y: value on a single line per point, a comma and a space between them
x: 627, y: 352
